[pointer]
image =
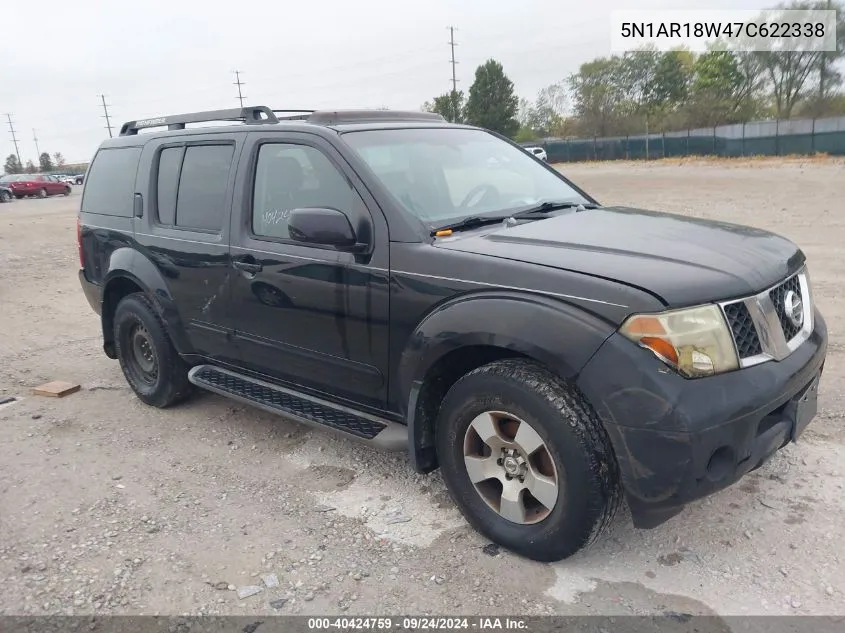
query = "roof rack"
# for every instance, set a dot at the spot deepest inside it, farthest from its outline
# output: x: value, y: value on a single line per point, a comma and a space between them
x: 260, y: 115
x: 253, y: 115
x: 335, y: 117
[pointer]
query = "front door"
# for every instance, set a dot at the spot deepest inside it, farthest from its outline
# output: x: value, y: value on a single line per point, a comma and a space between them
x: 307, y: 315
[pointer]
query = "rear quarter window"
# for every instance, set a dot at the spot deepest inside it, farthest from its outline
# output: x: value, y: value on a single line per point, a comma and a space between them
x: 110, y: 183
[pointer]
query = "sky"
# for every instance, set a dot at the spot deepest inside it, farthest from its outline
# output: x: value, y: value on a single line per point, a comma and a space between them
x: 158, y: 57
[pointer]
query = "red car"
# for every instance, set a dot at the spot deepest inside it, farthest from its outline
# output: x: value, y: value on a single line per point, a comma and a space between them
x: 35, y: 185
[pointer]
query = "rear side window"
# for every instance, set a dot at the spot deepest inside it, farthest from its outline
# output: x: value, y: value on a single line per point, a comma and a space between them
x: 110, y: 184
x: 192, y: 183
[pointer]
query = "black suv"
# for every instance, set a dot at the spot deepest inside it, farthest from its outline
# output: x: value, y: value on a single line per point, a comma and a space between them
x: 435, y: 288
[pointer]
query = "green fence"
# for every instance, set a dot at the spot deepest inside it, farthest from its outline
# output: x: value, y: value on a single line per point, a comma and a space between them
x: 769, y: 138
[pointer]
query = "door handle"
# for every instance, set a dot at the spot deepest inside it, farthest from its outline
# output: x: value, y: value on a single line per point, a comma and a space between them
x: 248, y: 265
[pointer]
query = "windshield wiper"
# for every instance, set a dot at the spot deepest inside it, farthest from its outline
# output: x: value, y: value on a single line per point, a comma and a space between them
x: 545, y: 207
x: 469, y: 223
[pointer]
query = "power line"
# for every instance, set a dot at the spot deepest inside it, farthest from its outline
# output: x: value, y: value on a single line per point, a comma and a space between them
x: 106, y: 117
x: 14, y: 138
x: 35, y: 138
x: 239, y: 83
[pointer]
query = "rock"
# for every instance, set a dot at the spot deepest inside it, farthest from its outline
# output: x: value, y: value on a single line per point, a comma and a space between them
x: 308, y: 596
x: 278, y: 603
x: 398, y: 518
x: 439, y: 580
x: 829, y: 590
x: 249, y: 590
x: 117, y: 477
x: 356, y: 576
x: 491, y: 549
x: 231, y: 587
x: 36, y: 416
x: 270, y: 580
x: 323, y: 508
x: 394, y: 570
x: 748, y: 534
x: 795, y: 603
x: 783, y: 571
x: 221, y: 586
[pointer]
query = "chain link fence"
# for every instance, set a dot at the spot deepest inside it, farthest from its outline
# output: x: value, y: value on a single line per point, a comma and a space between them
x: 757, y: 138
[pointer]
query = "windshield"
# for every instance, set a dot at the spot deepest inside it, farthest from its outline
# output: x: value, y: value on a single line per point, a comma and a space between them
x: 16, y: 178
x: 445, y: 174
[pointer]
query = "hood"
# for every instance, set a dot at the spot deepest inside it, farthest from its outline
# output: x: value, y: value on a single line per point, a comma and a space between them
x: 681, y: 260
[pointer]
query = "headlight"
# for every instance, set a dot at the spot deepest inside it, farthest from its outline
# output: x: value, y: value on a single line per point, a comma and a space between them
x: 694, y: 341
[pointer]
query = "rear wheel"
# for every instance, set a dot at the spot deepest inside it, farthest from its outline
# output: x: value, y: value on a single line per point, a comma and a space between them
x: 526, y: 459
x: 42, y: 193
x: 5, y: 196
x: 150, y: 363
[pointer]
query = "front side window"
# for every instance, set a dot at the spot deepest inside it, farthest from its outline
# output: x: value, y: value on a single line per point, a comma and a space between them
x: 289, y: 177
x: 444, y: 174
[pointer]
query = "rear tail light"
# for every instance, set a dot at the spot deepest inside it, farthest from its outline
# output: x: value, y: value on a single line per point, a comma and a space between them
x: 79, y: 242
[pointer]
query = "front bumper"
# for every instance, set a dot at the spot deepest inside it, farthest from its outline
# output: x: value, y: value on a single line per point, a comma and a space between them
x: 677, y: 440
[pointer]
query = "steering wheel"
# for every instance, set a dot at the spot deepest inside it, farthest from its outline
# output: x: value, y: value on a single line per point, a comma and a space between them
x: 473, y: 193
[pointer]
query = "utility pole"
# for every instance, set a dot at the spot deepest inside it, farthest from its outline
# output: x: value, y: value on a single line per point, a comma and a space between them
x: 106, y: 117
x: 239, y: 83
x: 14, y: 139
x: 823, y: 69
x: 452, y: 44
x: 35, y: 138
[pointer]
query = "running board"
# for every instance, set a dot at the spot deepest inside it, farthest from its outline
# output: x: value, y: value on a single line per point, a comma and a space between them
x: 301, y: 408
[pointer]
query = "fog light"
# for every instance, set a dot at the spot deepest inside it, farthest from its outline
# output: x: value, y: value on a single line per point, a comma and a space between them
x: 721, y: 463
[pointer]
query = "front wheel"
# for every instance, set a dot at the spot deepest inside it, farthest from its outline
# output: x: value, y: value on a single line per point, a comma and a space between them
x: 42, y: 193
x: 150, y: 363
x: 527, y: 460
x: 5, y: 196
x: 67, y: 190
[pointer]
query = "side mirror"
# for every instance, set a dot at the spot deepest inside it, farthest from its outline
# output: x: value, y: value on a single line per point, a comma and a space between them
x: 328, y: 227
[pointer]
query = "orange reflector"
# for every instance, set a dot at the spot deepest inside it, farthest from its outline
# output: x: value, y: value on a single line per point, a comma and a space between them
x: 662, y: 347
x: 443, y: 233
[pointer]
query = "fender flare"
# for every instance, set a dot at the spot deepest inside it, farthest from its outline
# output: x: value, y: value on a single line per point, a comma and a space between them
x: 560, y: 335
x: 128, y: 263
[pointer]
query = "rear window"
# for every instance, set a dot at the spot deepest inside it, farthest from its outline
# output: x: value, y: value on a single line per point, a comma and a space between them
x: 192, y: 184
x: 110, y: 184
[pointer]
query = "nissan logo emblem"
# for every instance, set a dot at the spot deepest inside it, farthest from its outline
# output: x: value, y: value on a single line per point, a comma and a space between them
x: 793, y: 308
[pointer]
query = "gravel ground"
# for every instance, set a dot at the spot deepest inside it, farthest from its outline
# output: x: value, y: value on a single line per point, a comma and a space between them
x: 112, y: 507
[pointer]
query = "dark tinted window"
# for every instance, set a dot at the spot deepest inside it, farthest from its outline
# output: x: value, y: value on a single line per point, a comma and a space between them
x: 201, y: 197
x: 169, y: 162
x: 294, y: 177
x: 110, y: 184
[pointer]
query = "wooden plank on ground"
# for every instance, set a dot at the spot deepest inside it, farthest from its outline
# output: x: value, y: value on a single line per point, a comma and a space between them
x: 56, y: 389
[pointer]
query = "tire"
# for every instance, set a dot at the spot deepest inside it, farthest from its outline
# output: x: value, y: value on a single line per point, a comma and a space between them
x: 42, y: 193
x: 576, y: 453
x: 137, y: 319
x: 5, y: 196
x: 67, y: 190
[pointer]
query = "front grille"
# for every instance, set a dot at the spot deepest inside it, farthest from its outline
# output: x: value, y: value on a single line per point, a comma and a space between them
x: 777, y: 295
x: 744, y: 332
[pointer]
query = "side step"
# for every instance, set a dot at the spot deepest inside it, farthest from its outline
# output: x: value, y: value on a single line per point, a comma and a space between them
x: 300, y: 407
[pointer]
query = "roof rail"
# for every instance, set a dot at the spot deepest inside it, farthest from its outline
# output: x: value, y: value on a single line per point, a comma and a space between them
x: 253, y: 115
x: 335, y: 117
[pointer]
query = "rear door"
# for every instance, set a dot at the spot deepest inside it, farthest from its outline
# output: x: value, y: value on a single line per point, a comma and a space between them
x: 184, y: 231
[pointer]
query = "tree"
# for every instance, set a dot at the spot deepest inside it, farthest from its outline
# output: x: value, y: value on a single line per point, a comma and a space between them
x: 13, y: 165
x: 45, y: 161
x: 672, y: 78
x: 794, y: 75
x: 30, y: 167
x: 597, y: 93
x: 492, y: 103
x: 450, y: 106
x: 60, y: 160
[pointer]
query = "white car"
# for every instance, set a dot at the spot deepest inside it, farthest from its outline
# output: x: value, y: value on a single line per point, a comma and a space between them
x: 539, y: 152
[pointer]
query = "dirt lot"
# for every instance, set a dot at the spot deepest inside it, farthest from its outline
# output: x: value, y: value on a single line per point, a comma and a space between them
x: 110, y: 506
